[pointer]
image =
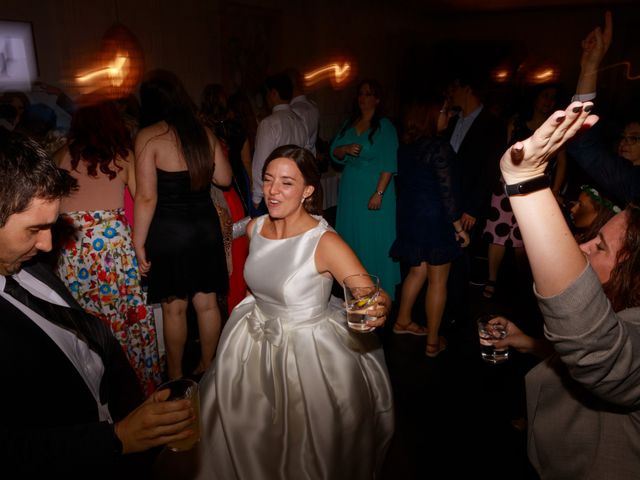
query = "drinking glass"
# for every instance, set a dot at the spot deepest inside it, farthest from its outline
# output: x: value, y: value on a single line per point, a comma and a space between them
x: 185, y: 389
x: 360, y: 293
x: 489, y: 333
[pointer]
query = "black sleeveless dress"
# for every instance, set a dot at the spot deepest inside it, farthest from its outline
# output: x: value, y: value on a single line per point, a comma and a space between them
x: 184, y: 243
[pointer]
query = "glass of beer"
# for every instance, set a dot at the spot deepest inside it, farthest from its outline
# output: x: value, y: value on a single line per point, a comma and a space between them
x: 185, y: 389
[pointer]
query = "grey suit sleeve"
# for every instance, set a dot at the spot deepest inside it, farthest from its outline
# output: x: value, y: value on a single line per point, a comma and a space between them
x: 601, y: 348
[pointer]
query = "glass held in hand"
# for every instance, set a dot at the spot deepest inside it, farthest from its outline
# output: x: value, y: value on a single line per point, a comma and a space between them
x: 489, y: 332
x: 185, y: 389
x: 361, y: 293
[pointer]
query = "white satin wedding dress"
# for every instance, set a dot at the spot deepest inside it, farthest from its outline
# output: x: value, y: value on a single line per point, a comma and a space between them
x: 293, y: 394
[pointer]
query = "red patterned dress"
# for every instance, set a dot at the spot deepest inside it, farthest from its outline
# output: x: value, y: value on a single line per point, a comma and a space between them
x: 99, y: 266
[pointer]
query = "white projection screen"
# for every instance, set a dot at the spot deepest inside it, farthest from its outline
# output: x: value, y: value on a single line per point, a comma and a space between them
x: 18, y: 63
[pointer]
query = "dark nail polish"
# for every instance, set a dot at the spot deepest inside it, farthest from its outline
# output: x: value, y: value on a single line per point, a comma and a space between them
x: 577, y: 109
x: 560, y: 118
x: 588, y: 108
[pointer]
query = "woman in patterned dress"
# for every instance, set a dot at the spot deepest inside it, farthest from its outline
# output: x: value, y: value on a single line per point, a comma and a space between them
x: 98, y: 262
x: 501, y: 230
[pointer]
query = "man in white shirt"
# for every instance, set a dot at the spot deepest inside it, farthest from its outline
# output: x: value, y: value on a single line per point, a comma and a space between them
x: 282, y: 127
x: 305, y: 108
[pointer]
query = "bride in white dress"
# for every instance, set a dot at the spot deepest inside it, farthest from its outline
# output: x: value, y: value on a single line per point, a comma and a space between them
x: 292, y: 393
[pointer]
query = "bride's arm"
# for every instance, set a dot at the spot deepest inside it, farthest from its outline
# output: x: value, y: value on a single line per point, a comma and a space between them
x: 334, y: 256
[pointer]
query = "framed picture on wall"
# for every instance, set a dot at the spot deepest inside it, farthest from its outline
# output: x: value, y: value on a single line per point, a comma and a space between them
x: 18, y: 61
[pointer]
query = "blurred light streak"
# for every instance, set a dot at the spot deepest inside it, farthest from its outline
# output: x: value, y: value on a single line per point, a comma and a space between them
x: 336, y: 73
x: 628, y: 70
x: 116, y: 71
x: 501, y: 75
x: 543, y: 75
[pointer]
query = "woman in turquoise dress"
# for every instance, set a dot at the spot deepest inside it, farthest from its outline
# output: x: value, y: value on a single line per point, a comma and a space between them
x: 367, y: 146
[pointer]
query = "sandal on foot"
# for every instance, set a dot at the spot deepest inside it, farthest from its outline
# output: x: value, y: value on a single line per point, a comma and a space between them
x: 489, y: 289
x: 412, y: 328
x: 434, y: 349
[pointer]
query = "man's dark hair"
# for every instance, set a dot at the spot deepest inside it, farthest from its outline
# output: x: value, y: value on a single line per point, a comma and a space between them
x: 27, y: 172
x: 296, y: 77
x: 282, y: 84
x: 473, y: 74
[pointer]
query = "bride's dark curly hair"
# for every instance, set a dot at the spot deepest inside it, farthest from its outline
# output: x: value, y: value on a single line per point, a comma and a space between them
x: 623, y: 286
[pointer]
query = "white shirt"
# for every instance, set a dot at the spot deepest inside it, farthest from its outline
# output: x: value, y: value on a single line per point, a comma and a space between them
x: 87, y: 362
x: 462, y: 127
x: 282, y: 127
x: 584, y: 97
x: 310, y: 115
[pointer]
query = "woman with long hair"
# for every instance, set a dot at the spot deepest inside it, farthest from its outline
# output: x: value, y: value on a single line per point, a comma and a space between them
x: 430, y: 234
x: 501, y: 230
x: 367, y: 146
x: 582, y: 401
x: 215, y: 114
x: 292, y: 392
x: 177, y: 237
x: 590, y: 212
x: 97, y: 261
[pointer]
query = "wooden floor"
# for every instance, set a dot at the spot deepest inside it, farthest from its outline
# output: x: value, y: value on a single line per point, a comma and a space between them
x: 453, y: 413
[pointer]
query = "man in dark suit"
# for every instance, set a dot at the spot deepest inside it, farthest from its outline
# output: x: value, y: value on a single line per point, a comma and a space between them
x: 70, y: 401
x: 478, y: 137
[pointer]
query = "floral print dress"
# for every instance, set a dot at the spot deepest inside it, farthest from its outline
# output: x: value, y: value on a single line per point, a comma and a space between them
x: 99, y: 266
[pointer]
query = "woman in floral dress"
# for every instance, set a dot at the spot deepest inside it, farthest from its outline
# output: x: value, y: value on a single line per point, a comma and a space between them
x: 97, y: 261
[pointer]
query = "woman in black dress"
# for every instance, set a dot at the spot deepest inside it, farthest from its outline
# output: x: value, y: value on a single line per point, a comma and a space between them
x: 177, y: 234
x: 430, y: 235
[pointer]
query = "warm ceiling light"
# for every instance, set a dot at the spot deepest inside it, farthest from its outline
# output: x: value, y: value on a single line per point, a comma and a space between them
x: 117, y: 67
x: 543, y: 74
x: 337, y: 73
x: 501, y: 75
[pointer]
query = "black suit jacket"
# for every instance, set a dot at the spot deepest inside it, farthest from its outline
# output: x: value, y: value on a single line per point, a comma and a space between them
x: 48, y: 417
x: 478, y: 161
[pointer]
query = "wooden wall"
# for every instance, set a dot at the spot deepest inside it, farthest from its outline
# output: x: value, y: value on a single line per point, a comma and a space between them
x: 207, y: 41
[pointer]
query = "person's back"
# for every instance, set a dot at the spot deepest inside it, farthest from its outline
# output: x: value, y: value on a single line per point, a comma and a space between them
x: 94, y: 193
x: 97, y: 261
x: 161, y: 142
x: 178, y: 239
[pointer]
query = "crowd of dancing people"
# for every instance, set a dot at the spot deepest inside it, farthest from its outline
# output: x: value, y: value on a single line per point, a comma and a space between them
x: 212, y: 207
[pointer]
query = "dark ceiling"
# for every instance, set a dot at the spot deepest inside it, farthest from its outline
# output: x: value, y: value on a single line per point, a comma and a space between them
x: 503, y: 5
